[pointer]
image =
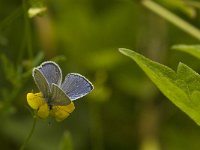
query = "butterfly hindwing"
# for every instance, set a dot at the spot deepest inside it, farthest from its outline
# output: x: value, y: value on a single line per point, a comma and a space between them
x: 76, y: 86
x: 51, y: 72
x: 58, y: 96
x: 41, y: 82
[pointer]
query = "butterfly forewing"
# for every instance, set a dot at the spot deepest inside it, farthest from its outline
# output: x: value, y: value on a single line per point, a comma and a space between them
x: 51, y: 72
x: 76, y: 86
x: 58, y: 96
x: 41, y: 82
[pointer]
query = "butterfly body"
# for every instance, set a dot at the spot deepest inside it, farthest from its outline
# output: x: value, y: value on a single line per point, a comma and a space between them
x: 56, y: 97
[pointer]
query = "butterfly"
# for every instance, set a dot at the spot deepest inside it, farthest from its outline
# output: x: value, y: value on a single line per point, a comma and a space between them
x: 56, y: 98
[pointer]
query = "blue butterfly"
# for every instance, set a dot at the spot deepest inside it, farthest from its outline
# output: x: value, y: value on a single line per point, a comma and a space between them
x: 48, y: 78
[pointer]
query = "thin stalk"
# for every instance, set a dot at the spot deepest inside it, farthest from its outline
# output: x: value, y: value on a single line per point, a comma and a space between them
x: 174, y: 19
x: 30, y: 134
x: 27, y: 30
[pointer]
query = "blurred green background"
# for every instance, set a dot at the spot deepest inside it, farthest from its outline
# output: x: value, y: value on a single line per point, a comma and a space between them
x: 125, y: 111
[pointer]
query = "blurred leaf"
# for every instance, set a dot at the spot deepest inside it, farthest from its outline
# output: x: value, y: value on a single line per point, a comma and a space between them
x: 181, y: 87
x: 32, y: 12
x: 193, y: 50
x: 60, y: 58
x: 66, y: 142
x: 195, y: 4
x: 101, y: 92
x: 109, y: 57
x: 181, y: 5
x: 10, y: 72
x: 38, y: 7
x: 29, y: 64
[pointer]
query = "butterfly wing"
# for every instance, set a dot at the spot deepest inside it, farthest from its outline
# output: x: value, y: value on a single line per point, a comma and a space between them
x: 76, y: 86
x: 51, y: 72
x: 58, y: 96
x: 41, y: 82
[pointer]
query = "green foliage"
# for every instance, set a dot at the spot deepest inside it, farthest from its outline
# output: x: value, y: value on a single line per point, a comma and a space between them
x: 181, y: 87
x: 173, y: 18
x: 193, y: 50
x: 181, y: 5
x: 66, y: 142
x: 83, y: 37
x: 37, y: 7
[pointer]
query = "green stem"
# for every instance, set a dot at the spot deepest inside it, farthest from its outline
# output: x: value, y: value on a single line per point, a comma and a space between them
x: 27, y: 30
x: 30, y: 134
x: 174, y: 19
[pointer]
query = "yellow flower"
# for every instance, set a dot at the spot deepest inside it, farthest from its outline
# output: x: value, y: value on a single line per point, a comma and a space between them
x: 37, y: 102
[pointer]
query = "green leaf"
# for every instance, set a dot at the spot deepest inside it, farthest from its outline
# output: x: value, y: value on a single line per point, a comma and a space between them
x: 181, y: 87
x: 193, y: 50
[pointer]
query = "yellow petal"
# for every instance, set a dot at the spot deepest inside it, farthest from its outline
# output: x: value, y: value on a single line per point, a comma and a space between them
x: 43, y: 111
x: 35, y: 100
x: 62, y: 112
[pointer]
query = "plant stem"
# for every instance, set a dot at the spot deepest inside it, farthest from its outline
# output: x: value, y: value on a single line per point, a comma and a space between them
x: 174, y: 19
x: 30, y: 134
x: 27, y: 31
